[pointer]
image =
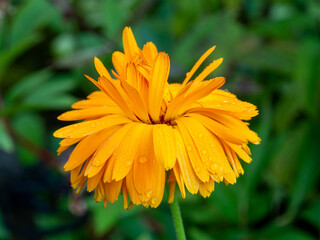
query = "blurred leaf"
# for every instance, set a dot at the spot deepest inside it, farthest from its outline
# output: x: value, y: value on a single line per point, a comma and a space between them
x: 198, y: 234
x: 27, y: 85
x: 114, y: 14
x: 306, y: 175
x: 277, y: 232
x: 50, y: 90
x: 32, y: 14
x: 260, y: 153
x: 311, y: 214
x: 283, y: 29
x: 30, y: 126
x: 6, y: 143
x: 9, y: 54
x: 105, y: 218
x: 4, y: 234
x: 305, y: 74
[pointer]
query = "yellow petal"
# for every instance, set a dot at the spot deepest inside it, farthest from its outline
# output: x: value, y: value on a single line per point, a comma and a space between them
x: 190, y: 179
x: 86, y: 148
x: 112, y: 190
x: 196, y: 162
x: 164, y: 145
x: 93, y: 112
x: 210, y: 150
x: 182, y: 101
x: 159, y: 77
x: 133, y: 194
x: 149, y: 53
x: 129, y: 43
x: 209, y: 69
x: 110, y: 145
x: 126, y: 152
x: 197, y: 65
x: 120, y: 63
x: 114, y: 90
x: 101, y: 68
x: 89, y: 127
x: 179, y: 178
x: 93, y: 182
x: 137, y: 104
x: 223, y: 132
x: 241, y: 153
x: 148, y: 174
x: 125, y: 195
x: 206, y: 188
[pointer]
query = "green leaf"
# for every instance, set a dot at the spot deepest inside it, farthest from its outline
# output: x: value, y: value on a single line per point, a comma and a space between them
x: 114, y: 14
x: 305, y: 74
x: 6, y: 143
x: 311, y: 214
x: 31, y: 15
x: 9, y: 54
x: 105, y: 218
x: 306, y: 175
x: 4, y: 233
x: 50, y: 90
x: 27, y: 85
x: 198, y: 234
x: 31, y: 127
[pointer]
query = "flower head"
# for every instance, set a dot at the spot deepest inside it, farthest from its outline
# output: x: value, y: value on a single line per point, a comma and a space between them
x: 137, y: 128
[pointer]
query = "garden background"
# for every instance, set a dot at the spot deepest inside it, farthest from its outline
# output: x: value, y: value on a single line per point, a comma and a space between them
x: 271, y: 51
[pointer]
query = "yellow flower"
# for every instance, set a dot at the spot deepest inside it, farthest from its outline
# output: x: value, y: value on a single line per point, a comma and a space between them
x: 137, y: 127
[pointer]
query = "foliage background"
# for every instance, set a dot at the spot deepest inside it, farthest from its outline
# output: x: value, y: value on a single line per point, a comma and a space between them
x: 271, y: 51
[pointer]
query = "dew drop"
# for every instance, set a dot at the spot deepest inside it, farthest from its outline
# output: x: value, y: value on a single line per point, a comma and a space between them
x: 214, y: 166
x: 142, y: 159
x: 210, y: 158
x: 197, y: 169
x: 204, y: 152
x: 128, y: 164
x: 149, y: 193
x: 153, y: 200
x: 189, y: 148
x: 200, y: 135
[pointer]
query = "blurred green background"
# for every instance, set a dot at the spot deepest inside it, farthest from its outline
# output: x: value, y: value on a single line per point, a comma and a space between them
x: 271, y: 51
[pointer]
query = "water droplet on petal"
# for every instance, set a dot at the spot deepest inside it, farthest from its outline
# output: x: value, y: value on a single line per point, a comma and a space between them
x: 197, y: 169
x: 189, y: 148
x: 129, y: 164
x: 142, y: 159
x: 204, y: 152
x: 149, y: 193
x: 154, y: 200
x: 200, y: 135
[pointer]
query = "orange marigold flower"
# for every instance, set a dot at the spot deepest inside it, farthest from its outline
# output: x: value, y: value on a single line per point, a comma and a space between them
x: 137, y: 127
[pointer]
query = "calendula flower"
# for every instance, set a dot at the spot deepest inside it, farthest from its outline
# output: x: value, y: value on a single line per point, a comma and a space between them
x: 137, y: 128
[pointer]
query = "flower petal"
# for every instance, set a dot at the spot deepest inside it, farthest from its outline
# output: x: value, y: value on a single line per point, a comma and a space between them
x: 101, y: 68
x: 89, y: 127
x: 164, y: 145
x: 196, y: 162
x: 129, y: 43
x: 190, y: 179
x: 93, y: 112
x: 126, y: 152
x: 87, y: 147
x: 159, y: 77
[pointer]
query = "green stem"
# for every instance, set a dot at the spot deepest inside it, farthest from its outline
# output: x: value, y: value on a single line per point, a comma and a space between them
x: 177, y: 220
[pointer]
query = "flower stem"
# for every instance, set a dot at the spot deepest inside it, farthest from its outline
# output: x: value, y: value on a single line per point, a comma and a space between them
x: 177, y: 220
